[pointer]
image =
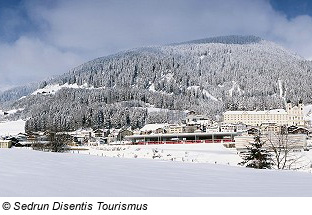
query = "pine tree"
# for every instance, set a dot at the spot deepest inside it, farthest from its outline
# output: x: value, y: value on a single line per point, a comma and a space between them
x: 257, y: 156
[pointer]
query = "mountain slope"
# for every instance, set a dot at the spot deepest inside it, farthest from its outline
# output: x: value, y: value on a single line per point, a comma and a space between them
x: 208, y: 76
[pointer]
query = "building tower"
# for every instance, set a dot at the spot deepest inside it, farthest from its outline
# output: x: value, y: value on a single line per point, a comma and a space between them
x: 295, y: 113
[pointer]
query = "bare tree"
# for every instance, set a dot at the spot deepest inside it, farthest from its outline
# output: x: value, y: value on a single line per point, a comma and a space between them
x: 58, y: 142
x: 36, y: 145
x: 286, y: 150
x: 257, y: 156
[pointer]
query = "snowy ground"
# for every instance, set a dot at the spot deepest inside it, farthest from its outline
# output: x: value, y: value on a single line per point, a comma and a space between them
x: 191, y: 153
x: 25, y: 172
x: 12, y: 127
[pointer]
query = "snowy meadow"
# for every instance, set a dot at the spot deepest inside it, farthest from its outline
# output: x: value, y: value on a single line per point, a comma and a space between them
x: 26, y: 172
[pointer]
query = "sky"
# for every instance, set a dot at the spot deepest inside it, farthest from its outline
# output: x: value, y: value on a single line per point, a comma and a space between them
x: 44, y: 38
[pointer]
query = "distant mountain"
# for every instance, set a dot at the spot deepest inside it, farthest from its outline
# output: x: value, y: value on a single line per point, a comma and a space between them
x: 17, y: 92
x: 232, y: 39
x: 208, y: 76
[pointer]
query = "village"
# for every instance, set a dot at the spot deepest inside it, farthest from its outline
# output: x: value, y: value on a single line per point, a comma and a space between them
x: 236, y: 130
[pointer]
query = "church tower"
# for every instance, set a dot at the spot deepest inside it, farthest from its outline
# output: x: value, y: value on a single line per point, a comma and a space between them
x: 295, y: 113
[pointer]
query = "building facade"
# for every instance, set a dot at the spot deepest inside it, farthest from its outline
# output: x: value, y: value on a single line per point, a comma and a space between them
x: 293, y: 140
x: 5, y: 143
x: 293, y: 115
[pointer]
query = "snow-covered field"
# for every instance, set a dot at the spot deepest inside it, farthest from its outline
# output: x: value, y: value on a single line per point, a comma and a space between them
x: 12, y: 127
x: 25, y: 172
x: 52, y: 89
x: 192, y: 153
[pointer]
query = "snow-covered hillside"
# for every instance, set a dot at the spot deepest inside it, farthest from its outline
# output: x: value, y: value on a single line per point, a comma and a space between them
x: 31, y: 173
x: 208, y: 76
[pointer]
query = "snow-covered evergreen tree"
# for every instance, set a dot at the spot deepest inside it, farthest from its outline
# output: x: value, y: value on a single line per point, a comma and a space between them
x: 256, y: 156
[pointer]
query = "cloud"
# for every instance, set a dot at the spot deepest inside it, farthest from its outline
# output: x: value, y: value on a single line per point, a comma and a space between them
x: 68, y: 32
x: 103, y: 27
x: 28, y: 60
x: 295, y: 34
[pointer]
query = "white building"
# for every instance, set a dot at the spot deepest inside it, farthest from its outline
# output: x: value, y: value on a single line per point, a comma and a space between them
x: 175, y: 129
x: 298, y: 140
x: 195, y: 119
x: 5, y: 143
x: 293, y: 115
x: 233, y: 127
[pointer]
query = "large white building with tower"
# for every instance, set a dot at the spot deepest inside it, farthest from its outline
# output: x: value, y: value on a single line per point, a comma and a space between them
x: 293, y: 115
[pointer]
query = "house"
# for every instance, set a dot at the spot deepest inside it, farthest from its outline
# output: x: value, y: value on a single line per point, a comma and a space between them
x: 87, y: 133
x: 99, y: 133
x: 82, y: 135
x: 174, y: 129
x: 92, y: 142
x: 152, y: 128
x: 137, y: 131
x: 190, y: 128
x: 253, y: 131
x: 113, y: 136
x: 300, y: 130
x: 266, y: 128
x: 124, y: 133
x: 5, y: 144
x: 291, y: 128
x: 212, y: 129
x: 194, y: 119
x: 161, y: 131
x: 233, y: 127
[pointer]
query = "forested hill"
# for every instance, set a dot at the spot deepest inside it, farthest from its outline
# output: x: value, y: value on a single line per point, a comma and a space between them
x: 208, y: 76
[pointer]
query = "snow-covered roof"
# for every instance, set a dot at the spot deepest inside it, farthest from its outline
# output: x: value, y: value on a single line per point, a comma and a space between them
x: 5, y: 141
x: 152, y: 127
x: 275, y: 111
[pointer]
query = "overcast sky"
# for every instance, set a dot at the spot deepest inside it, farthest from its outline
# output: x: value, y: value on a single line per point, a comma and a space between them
x: 44, y: 38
